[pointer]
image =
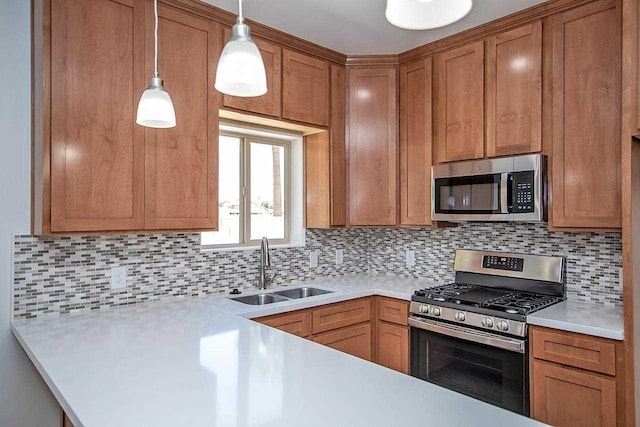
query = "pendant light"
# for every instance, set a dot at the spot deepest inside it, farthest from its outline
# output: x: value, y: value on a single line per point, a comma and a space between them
x: 426, y: 14
x: 155, y: 109
x: 240, y: 68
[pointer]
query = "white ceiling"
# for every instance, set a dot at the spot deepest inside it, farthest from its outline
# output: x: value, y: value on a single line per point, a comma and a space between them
x: 359, y: 26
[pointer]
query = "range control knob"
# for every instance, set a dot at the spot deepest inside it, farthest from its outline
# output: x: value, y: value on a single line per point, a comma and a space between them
x: 503, y: 325
x: 460, y: 316
x: 487, y: 322
x: 424, y: 309
x: 435, y: 311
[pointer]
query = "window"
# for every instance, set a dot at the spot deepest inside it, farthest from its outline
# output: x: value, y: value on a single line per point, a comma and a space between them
x: 254, y: 189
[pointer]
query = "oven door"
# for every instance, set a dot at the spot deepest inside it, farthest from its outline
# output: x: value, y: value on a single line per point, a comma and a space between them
x: 485, y: 366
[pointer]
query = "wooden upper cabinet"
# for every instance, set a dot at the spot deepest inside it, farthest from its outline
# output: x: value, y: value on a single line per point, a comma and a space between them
x: 459, y: 115
x: 415, y: 143
x: 317, y: 181
x: 338, y: 146
x: 182, y: 162
x: 269, y: 104
x: 514, y: 91
x: 305, y: 88
x: 586, y: 183
x: 97, y: 163
x: 372, y: 153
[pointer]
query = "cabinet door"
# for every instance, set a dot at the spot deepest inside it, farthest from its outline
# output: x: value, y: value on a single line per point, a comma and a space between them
x: 355, y: 340
x: 372, y: 149
x: 415, y: 143
x: 297, y: 323
x: 270, y: 103
x: 568, y: 397
x: 305, y: 88
x: 341, y: 314
x: 586, y: 186
x: 514, y: 91
x: 338, y: 148
x: 317, y: 181
x: 97, y: 150
x: 393, y: 346
x: 182, y: 162
x: 460, y: 103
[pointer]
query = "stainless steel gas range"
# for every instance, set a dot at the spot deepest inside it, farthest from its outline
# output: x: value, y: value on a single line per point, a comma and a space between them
x: 471, y: 335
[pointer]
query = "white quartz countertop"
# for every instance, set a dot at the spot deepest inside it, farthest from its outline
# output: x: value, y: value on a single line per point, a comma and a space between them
x: 582, y: 317
x: 198, y: 362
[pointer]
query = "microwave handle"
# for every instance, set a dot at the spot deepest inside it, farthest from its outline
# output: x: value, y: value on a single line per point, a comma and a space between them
x: 505, y: 192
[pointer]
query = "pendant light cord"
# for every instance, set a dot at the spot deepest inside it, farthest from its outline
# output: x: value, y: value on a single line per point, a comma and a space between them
x: 155, y: 64
x: 240, y: 17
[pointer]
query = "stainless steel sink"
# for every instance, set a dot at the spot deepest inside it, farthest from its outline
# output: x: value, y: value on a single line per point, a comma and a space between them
x: 303, y: 292
x: 260, y: 299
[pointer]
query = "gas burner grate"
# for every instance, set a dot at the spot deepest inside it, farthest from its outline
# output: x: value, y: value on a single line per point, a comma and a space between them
x: 446, y: 292
x: 521, y: 303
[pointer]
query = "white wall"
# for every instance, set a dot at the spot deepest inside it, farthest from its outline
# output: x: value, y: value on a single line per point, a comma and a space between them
x: 24, y: 398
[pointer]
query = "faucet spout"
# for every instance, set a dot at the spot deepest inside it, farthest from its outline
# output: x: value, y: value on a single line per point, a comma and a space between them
x: 265, y: 261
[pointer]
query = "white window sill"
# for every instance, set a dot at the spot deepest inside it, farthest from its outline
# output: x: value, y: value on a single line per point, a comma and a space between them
x: 210, y: 248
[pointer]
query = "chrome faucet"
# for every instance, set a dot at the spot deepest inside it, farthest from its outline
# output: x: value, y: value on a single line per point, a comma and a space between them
x: 265, y: 261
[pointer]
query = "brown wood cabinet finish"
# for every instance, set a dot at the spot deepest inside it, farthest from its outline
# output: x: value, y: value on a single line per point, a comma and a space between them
x: 269, y: 104
x: 341, y: 314
x: 317, y: 180
x: 566, y: 397
x: 392, y: 344
x: 296, y: 323
x: 586, y: 180
x: 514, y: 91
x: 392, y: 310
x: 181, y: 167
x: 354, y: 340
x: 580, y: 351
x: 459, y: 114
x: 338, y: 146
x: 97, y: 163
x: 305, y: 88
x: 415, y: 143
x: 372, y: 152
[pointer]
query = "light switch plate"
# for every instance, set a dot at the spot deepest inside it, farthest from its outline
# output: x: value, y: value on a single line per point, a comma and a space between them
x: 339, y: 256
x: 313, y: 258
x: 410, y: 258
x: 118, y: 277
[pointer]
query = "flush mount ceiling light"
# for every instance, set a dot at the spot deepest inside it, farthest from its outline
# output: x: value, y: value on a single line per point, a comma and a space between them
x: 155, y: 109
x: 426, y: 14
x: 240, y: 68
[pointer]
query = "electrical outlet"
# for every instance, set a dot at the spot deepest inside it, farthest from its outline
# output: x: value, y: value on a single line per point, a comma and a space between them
x: 339, y: 256
x: 313, y: 258
x: 410, y: 258
x: 118, y: 277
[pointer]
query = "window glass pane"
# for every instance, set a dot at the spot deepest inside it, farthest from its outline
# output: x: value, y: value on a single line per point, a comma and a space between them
x: 228, y: 194
x: 267, y: 191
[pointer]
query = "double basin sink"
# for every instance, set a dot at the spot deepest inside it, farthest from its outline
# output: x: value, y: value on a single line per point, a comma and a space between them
x: 279, y: 296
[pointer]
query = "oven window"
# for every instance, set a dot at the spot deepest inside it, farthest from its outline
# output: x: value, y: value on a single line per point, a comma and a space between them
x: 476, y: 194
x: 487, y: 373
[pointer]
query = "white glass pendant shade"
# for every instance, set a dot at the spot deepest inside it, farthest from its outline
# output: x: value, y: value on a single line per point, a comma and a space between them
x: 155, y: 108
x: 241, y: 69
x: 426, y: 14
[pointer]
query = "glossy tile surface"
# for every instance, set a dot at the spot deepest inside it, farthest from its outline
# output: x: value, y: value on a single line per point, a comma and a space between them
x: 196, y: 362
x: 581, y: 317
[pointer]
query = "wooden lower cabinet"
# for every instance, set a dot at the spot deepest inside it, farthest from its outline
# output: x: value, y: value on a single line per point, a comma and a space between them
x: 354, y: 340
x: 392, y: 346
x: 576, y: 379
x: 296, y: 323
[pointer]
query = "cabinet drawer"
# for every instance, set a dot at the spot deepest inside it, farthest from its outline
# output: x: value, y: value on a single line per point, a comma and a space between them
x: 391, y: 310
x: 341, y: 314
x: 580, y: 351
x: 296, y: 323
x: 354, y: 340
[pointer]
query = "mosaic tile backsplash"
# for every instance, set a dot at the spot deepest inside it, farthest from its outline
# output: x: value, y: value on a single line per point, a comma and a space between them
x: 69, y: 274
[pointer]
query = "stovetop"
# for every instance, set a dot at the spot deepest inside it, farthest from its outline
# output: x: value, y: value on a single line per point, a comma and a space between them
x: 504, y: 302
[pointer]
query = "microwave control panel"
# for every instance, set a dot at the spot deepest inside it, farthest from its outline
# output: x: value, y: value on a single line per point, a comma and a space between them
x: 523, y: 188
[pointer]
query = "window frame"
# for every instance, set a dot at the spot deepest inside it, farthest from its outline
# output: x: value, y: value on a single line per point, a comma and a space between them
x: 245, y: 191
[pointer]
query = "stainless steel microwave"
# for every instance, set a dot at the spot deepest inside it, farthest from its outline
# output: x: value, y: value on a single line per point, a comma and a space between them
x: 502, y: 189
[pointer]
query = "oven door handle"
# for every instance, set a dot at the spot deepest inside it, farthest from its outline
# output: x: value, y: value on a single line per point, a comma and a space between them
x: 505, y: 343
